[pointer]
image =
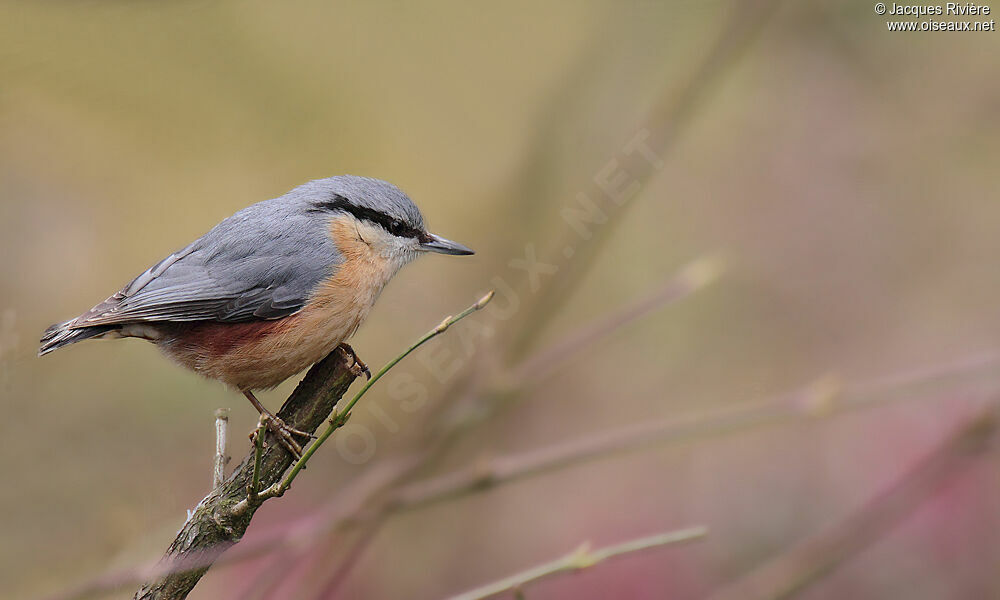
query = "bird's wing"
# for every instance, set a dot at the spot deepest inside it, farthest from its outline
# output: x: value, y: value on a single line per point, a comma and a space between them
x: 248, y: 267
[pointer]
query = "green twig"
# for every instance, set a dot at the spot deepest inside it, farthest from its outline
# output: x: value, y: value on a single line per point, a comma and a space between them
x: 581, y: 558
x: 340, y: 417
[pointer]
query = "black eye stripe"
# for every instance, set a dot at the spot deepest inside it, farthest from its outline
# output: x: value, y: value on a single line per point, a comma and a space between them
x: 391, y: 225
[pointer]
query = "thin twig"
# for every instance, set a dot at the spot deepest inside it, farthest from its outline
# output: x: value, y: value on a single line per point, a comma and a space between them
x: 221, y: 443
x: 691, y: 278
x: 581, y: 558
x: 341, y: 416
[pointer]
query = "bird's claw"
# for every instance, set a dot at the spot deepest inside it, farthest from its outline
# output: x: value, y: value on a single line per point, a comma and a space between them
x: 284, y: 433
x: 359, y: 365
x: 363, y: 368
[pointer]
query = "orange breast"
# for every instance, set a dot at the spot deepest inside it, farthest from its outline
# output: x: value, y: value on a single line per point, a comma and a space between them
x: 259, y: 354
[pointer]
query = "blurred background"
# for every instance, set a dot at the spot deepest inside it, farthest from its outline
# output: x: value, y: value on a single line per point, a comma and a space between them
x: 845, y: 176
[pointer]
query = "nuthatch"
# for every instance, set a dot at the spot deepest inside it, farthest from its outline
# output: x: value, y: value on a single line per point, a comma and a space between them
x: 270, y: 290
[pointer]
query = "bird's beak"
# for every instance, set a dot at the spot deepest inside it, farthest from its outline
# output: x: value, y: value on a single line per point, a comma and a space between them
x: 436, y: 243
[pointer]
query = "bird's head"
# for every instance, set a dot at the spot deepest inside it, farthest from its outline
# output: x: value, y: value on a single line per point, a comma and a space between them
x: 378, y: 214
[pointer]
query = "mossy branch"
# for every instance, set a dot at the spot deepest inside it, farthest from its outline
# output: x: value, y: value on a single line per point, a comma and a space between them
x: 213, y: 526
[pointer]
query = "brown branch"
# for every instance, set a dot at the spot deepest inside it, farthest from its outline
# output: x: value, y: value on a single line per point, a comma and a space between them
x: 215, y: 526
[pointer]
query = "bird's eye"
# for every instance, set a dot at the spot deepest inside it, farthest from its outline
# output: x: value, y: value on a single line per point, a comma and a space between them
x: 396, y: 227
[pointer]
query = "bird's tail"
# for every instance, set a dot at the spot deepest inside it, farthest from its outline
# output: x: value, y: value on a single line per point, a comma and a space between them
x: 63, y: 334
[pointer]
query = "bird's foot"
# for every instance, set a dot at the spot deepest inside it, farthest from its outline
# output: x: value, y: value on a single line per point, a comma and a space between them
x: 284, y: 432
x: 359, y: 365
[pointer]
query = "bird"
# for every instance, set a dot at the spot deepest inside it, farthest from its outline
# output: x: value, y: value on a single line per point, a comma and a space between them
x: 270, y: 290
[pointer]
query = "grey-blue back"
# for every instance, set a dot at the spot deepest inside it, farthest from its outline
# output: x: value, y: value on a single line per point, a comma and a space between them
x: 261, y: 263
